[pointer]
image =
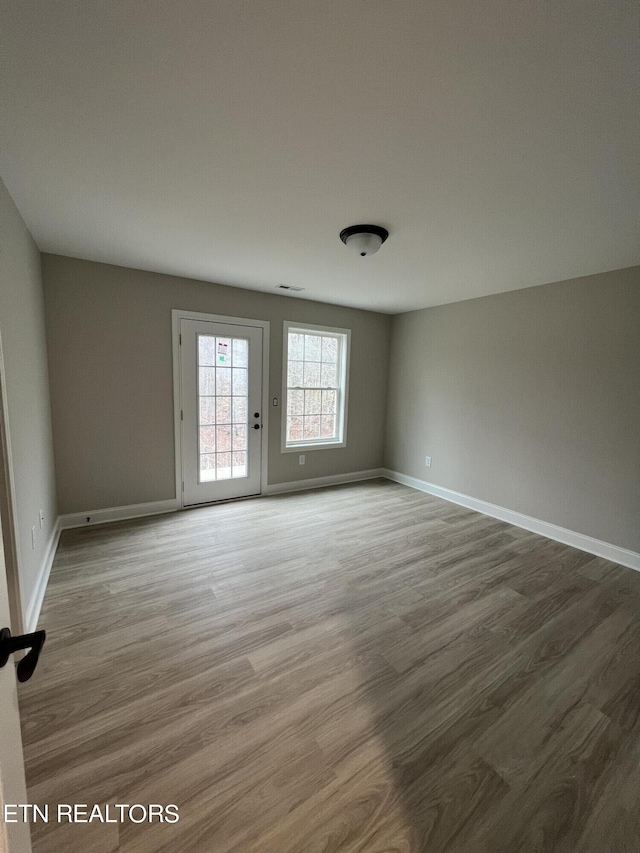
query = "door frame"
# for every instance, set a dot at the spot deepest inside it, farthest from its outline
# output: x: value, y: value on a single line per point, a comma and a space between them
x: 7, y: 510
x: 13, y: 838
x: 176, y: 315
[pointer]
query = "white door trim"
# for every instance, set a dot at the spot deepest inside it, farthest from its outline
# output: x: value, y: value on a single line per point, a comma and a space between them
x: 14, y: 838
x: 7, y: 508
x: 177, y: 315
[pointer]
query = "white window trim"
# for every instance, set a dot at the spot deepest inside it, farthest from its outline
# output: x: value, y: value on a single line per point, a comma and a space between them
x: 314, y: 445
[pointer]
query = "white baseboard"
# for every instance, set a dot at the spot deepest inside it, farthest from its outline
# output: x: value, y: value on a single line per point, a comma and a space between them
x: 37, y: 597
x: 117, y: 513
x: 630, y: 559
x: 320, y: 482
x: 122, y: 513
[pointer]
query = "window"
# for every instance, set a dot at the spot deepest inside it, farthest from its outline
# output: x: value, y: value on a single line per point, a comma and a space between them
x: 316, y: 367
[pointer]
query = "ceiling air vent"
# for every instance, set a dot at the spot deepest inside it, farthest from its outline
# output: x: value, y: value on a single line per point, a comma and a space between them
x: 289, y: 287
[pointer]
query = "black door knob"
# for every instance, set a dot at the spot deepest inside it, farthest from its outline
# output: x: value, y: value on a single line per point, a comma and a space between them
x: 256, y: 426
x: 256, y: 414
x: 9, y: 645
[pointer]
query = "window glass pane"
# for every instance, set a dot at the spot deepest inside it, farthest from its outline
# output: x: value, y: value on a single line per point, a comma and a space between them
x: 330, y: 350
x: 316, y: 364
x: 223, y: 352
x: 296, y: 346
x: 295, y: 403
x: 239, y: 410
x: 223, y: 380
x: 294, y: 429
x: 312, y: 402
x: 207, y: 381
x: 240, y: 352
x: 207, y: 410
x: 239, y: 464
x: 240, y: 382
x: 311, y: 374
x: 329, y: 375
x: 312, y: 348
x: 311, y: 426
x: 328, y: 402
x: 207, y: 439
x: 295, y: 374
x: 223, y: 410
x: 206, y: 349
x: 223, y: 438
x: 223, y: 469
x: 327, y: 426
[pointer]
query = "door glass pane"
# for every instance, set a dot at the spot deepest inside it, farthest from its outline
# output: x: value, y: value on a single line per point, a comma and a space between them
x: 223, y: 438
x: 223, y: 407
x: 207, y: 381
x: 239, y: 381
x: 207, y: 467
x: 240, y: 352
x: 239, y: 462
x: 223, y: 352
x: 207, y: 439
x: 239, y: 437
x: 207, y: 350
x: 223, y: 410
x: 239, y: 410
x: 223, y: 466
x: 207, y: 410
x: 223, y: 380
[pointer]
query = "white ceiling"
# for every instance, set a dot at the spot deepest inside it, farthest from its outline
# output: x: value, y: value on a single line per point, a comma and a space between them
x: 232, y: 140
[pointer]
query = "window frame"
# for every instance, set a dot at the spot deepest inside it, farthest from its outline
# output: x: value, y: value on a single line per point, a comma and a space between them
x: 343, y: 388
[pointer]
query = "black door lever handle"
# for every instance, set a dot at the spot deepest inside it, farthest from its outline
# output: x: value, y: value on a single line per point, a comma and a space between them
x: 9, y: 645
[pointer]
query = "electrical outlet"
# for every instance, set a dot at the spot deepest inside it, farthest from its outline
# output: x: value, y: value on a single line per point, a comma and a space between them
x: 301, y: 459
x: 427, y: 461
x: 41, y: 519
x: 33, y: 538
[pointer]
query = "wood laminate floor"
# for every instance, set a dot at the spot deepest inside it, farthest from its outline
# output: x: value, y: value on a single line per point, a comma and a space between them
x: 361, y: 668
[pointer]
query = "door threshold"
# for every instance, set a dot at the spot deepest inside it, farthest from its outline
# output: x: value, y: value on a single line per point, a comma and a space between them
x: 222, y: 501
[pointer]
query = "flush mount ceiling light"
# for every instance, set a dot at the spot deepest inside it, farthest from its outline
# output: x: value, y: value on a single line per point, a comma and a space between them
x: 364, y: 239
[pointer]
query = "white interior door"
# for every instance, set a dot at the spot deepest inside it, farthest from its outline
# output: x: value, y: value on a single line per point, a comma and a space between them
x: 221, y: 417
x: 14, y: 837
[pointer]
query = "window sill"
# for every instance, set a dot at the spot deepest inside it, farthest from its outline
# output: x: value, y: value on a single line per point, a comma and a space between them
x: 312, y: 445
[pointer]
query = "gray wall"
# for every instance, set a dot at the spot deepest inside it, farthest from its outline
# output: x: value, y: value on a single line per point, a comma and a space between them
x: 110, y: 362
x: 27, y: 391
x: 529, y: 400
